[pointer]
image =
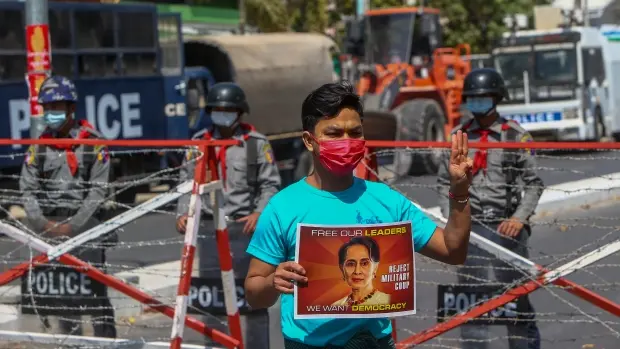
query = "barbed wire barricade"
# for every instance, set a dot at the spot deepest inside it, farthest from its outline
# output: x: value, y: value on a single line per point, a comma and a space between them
x: 574, y: 236
x: 126, y: 271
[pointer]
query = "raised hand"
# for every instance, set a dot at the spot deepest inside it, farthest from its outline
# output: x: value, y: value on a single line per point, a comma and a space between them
x: 460, y: 165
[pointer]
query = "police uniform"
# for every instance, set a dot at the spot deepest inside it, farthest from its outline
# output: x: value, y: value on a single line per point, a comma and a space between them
x: 67, y: 184
x: 250, y: 178
x: 495, y: 194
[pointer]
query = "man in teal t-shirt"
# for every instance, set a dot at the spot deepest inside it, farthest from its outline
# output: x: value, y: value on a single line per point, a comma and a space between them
x: 333, y: 133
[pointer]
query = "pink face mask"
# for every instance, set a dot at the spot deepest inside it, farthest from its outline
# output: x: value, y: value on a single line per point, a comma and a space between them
x: 341, y: 156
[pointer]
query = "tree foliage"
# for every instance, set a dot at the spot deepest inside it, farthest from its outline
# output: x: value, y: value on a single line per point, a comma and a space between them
x: 267, y: 15
x: 316, y: 17
x: 476, y: 22
x: 309, y: 15
x: 479, y: 22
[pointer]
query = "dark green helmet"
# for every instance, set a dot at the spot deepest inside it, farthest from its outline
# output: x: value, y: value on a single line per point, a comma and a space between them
x: 227, y: 95
x: 485, y: 81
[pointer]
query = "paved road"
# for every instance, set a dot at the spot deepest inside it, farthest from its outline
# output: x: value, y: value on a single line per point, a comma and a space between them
x: 160, y: 243
x: 553, y: 168
x: 555, y: 241
x: 565, y: 321
x: 152, y: 240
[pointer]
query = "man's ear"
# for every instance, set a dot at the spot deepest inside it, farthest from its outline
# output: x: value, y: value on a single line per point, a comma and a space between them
x: 308, y: 141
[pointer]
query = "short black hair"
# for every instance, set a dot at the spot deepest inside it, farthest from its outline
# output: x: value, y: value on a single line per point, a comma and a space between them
x: 327, y: 101
x: 371, y: 245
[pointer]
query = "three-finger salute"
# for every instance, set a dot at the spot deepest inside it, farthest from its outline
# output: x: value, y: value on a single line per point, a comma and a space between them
x: 461, y: 165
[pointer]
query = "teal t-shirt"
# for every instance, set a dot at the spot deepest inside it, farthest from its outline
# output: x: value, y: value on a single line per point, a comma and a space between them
x: 364, y: 202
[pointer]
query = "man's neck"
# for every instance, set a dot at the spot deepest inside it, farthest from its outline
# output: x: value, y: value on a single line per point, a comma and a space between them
x: 487, y: 120
x: 324, y: 180
x: 225, y: 132
x: 64, y: 131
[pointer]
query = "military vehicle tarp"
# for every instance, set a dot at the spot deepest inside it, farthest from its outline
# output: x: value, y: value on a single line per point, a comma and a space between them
x: 277, y: 71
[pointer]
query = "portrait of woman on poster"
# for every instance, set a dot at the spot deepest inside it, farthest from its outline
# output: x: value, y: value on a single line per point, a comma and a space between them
x: 358, y: 260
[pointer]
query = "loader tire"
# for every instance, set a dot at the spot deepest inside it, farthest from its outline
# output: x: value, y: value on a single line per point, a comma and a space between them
x: 420, y: 120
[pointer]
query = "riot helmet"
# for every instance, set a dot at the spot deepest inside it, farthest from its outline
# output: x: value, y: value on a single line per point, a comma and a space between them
x: 483, y: 89
x: 226, y: 102
x: 57, y: 89
x: 57, y: 96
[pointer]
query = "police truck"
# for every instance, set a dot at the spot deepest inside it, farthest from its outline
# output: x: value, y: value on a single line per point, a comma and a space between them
x: 130, y: 85
x: 564, y: 84
x: 139, y: 77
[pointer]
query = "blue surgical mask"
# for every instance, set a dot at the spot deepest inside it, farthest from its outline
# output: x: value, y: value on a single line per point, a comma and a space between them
x: 223, y: 118
x: 54, y: 119
x: 479, y: 105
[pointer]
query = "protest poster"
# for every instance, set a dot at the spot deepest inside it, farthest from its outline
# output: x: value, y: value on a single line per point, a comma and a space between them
x: 355, y: 271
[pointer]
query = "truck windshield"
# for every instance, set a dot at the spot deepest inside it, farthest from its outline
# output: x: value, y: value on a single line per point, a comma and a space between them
x: 390, y: 38
x: 551, y: 72
x: 556, y: 65
x: 512, y: 65
x: 88, y: 40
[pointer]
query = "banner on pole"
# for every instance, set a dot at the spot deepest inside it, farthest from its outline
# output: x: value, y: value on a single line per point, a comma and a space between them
x: 34, y: 81
x: 38, y: 48
x: 38, y: 62
x: 356, y: 271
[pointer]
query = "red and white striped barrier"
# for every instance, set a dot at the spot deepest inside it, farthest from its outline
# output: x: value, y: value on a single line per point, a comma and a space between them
x: 206, y: 162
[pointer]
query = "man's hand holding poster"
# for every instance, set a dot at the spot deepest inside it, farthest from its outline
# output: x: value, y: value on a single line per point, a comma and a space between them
x: 356, y: 271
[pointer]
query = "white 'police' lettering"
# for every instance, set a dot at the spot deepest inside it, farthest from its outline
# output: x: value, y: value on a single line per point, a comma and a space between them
x: 64, y: 283
x: 19, y: 119
x: 209, y: 296
x: 535, y: 117
x: 130, y: 112
x: 98, y: 113
x: 461, y: 302
x: 174, y: 109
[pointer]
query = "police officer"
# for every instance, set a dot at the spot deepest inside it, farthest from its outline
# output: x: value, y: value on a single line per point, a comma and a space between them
x: 63, y: 189
x: 501, y: 213
x: 251, y: 178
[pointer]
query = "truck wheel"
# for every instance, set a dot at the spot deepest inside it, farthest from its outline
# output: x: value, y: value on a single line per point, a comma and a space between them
x: 420, y: 120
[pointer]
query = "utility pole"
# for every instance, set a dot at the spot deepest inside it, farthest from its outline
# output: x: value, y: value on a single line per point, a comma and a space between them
x: 242, y: 17
x: 38, y: 59
x: 585, y: 14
